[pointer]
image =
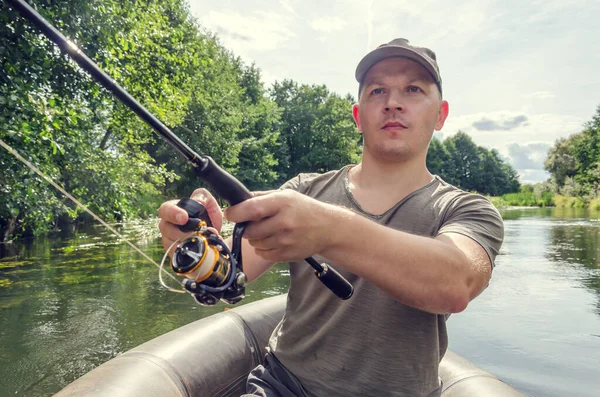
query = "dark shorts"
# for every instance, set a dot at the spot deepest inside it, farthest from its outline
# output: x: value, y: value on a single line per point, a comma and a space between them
x: 272, y: 380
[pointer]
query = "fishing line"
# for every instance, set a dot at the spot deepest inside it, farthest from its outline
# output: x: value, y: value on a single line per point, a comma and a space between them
x: 86, y: 209
x: 220, y: 181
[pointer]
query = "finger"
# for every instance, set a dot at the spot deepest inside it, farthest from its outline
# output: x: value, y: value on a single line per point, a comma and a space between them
x: 263, y: 229
x: 169, y: 230
x: 209, y: 202
x: 265, y: 244
x: 253, y: 209
x: 166, y: 243
x: 270, y: 255
x: 170, y: 212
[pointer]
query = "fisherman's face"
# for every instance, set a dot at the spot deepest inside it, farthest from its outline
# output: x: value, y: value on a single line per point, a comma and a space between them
x: 399, y: 108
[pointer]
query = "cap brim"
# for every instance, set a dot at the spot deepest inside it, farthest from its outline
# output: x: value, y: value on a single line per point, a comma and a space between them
x: 379, y: 54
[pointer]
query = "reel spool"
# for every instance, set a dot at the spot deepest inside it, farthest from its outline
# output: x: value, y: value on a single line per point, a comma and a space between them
x: 211, y: 271
x: 197, y: 260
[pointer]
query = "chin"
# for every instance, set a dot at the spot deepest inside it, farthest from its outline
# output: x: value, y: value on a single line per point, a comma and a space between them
x: 397, y: 154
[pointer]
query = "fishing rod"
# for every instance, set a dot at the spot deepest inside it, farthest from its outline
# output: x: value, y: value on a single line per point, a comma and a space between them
x: 211, y: 270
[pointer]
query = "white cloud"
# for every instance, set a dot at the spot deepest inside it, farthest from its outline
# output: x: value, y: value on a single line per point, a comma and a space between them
x: 244, y: 34
x: 268, y: 78
x: 525, y: 145
x: 328, y: 24
x: 287, y: 5
x: 530, y: 156
x: 533, y: 176
x: 369, y: 23
x: 521, y: 72
x: 541, y: 95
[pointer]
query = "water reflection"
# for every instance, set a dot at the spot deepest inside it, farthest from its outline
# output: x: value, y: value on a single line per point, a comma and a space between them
x: 575, y: 247
x: 536, y: 325
x: 70, y: 302
x: 573, y: 241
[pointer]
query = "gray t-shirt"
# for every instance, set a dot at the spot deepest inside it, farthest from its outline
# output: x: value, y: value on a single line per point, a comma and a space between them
x: 371, y: 344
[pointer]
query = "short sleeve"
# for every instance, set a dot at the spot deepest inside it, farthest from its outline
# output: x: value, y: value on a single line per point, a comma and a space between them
x: 476, y: 217
x: 298, y: 183
x: 293, y: 184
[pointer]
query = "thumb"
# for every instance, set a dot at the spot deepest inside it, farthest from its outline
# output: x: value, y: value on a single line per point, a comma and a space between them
x: 213, y: 209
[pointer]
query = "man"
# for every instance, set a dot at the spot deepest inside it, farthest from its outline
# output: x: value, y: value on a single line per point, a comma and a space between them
x: 415, y: 248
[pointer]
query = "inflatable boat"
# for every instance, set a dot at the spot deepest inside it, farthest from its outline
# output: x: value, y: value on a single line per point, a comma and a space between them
x: 213, y: 356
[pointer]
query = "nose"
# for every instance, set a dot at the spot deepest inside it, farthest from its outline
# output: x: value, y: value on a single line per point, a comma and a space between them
x: 394, y: 102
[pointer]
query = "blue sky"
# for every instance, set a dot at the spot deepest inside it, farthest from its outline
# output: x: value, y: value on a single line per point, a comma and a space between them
x: 517, y: 75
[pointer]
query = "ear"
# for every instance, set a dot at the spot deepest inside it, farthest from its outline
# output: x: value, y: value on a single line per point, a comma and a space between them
x: 442, y: 115
x: 356, y: 117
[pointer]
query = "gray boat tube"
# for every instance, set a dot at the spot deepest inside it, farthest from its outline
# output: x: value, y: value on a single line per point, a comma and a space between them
x: 213, y: 356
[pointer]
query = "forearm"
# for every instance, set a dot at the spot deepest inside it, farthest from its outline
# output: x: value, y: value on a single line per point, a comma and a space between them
x: 254, y: 265
x: 421, y: 272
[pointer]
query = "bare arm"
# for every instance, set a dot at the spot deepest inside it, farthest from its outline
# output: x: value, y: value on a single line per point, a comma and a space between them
x: 254, y: 265
x: 439, y: 275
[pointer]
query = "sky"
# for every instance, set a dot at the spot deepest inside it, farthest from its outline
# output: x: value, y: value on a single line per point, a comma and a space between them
x: 517, y: 75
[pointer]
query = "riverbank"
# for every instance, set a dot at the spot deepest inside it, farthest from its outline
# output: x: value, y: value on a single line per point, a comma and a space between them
x: 531, y: 199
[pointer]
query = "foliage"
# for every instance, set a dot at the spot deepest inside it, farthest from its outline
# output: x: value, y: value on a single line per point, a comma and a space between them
x: 569, y: 201
x: 594, y: 204
x: 574, y: 162
x: 520, y: 199
x: 437, y: 157
x: 63, y: 122
x: 69, y: 127
x: 316, y: 131
x: 459, y: 161
x: 76, y: 133
x: 498, y: 202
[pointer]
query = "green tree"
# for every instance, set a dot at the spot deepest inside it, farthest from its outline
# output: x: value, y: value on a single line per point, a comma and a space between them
x: 560, y: 162
x: 316, y: 131
x: 498, y: 177
x: 573, y: 162
x: 464, y: 162
x: 258, y: 134
x: 73, y: 130
x: 586, y: 148
x: 459, y: 161
x: 437, y: 158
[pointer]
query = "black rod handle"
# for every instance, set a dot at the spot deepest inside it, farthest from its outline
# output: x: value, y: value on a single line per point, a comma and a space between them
x: 221, y: 182
x: 335, y: 282
x: 331, y: 278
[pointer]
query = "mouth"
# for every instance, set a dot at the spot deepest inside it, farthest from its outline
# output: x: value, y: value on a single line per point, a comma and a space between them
x: 394, y: 126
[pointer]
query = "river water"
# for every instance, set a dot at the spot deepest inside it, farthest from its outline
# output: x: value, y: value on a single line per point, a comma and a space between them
x: 71, y: 301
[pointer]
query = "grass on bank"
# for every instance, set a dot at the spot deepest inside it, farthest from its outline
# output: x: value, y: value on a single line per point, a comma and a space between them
x: 530, y: 199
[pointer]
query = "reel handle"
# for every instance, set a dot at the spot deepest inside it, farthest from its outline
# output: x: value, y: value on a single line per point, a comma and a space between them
x: 196, y: 214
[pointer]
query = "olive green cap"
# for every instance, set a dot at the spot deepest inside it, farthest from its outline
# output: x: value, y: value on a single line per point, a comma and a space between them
x: 400, y: 48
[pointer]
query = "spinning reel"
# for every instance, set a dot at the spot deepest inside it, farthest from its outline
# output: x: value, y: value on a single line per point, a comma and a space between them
x: 211, y: 271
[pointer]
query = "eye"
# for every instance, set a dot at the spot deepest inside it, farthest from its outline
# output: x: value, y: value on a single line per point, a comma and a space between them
x: 414, y: 89
x: 377, y: 91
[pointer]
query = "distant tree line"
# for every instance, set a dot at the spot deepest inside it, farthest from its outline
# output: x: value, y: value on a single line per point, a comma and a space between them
x: 459, y: 161
x: 574, y: 163
x: 74, y: 131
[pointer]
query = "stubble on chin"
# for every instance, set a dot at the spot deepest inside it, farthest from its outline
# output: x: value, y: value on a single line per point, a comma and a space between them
x: 396, y: 153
